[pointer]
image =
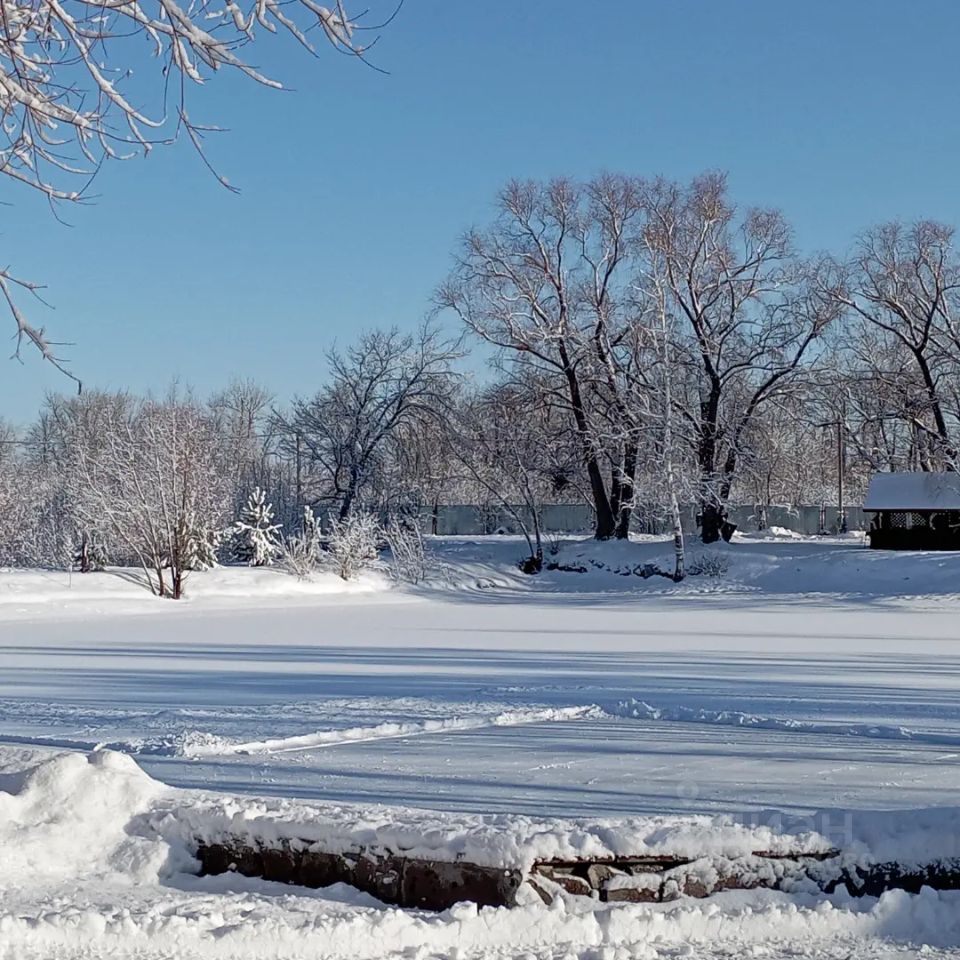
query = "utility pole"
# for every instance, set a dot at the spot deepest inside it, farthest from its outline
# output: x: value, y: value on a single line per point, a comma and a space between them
x: 841, y: 466
x: 840, y: 425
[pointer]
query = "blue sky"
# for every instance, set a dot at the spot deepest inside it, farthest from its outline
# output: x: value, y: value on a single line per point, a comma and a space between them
x: 356, y: 185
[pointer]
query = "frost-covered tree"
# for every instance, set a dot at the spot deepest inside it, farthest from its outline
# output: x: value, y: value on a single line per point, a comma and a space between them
x: 241, y: 415
x: 503, y: 447
x: 751, y: 312
x: 353, y: 543
x: 408, y: 557
x: 901, y: 288
x: 300, y: 552
x: 90, y: 554
x: 671, y: 480
x: 77, y: 86
x: 256, y: 536
x: 203, y: 542
x: 153, y: 486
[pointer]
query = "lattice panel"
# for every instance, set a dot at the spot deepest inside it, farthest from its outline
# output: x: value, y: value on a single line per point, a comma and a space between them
x: 907, y: 521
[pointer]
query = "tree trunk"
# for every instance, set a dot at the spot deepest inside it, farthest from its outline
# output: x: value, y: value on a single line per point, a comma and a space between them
x: 936, y: 408
x: 712, y: 520
x: 711, y: 512
x: 534, y: 563
x: 679, y: 571
x: 606, y: 524
x: 761, y: 511
x: 348, y: 498
x: 624, y: 510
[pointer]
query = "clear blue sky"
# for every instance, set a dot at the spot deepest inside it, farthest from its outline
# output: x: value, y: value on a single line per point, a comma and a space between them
x: 356, y: 185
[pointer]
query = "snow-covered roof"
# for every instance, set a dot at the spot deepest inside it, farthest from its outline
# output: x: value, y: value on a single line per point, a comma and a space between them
x: 913, y: 491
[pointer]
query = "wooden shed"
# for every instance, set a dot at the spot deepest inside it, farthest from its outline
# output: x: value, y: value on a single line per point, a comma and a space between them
x: 914, y: 511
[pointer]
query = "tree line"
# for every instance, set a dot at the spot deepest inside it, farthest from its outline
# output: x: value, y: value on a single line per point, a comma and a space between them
x: 650, y: 344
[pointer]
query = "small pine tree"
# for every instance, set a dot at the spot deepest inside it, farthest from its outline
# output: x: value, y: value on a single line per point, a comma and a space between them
x: 257, y: 542
x: 202, y: 548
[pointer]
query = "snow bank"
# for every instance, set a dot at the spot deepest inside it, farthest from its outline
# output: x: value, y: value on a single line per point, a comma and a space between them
x: 51, y: 810
x: 28, y: 594
x: 772, y: 564
x: 776, y: 562
x: 494, y: 841
x: 68, y: 817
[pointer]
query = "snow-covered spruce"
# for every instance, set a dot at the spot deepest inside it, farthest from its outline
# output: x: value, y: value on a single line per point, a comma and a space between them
x: 256, y: 536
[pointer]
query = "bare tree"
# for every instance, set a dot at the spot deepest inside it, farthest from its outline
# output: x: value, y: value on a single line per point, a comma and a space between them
x: 663, y: 411
x: 549, y: 285
x: 503, y: 448
x: 903, y: 282
x: 34, y: 530
x: 752, y: 314
x: 241, y: 416
x: 64, y: 425
x: 423, y: 471
x: 385, y: 386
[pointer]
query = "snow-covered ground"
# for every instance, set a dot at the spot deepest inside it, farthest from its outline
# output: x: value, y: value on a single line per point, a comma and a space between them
x: 812, y: 679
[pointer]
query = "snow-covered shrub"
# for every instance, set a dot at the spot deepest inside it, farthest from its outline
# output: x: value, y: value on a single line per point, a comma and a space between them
x: 709, y: 565
x: 256, y: 536
x: 299, y: 552
x: 408, y: 561
x: 353, y: 543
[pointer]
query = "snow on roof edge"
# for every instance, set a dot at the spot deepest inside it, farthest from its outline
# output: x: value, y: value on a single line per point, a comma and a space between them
x: 913, y: 491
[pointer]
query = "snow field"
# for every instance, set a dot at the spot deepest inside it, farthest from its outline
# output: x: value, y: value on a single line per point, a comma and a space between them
x: 812, y: 689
